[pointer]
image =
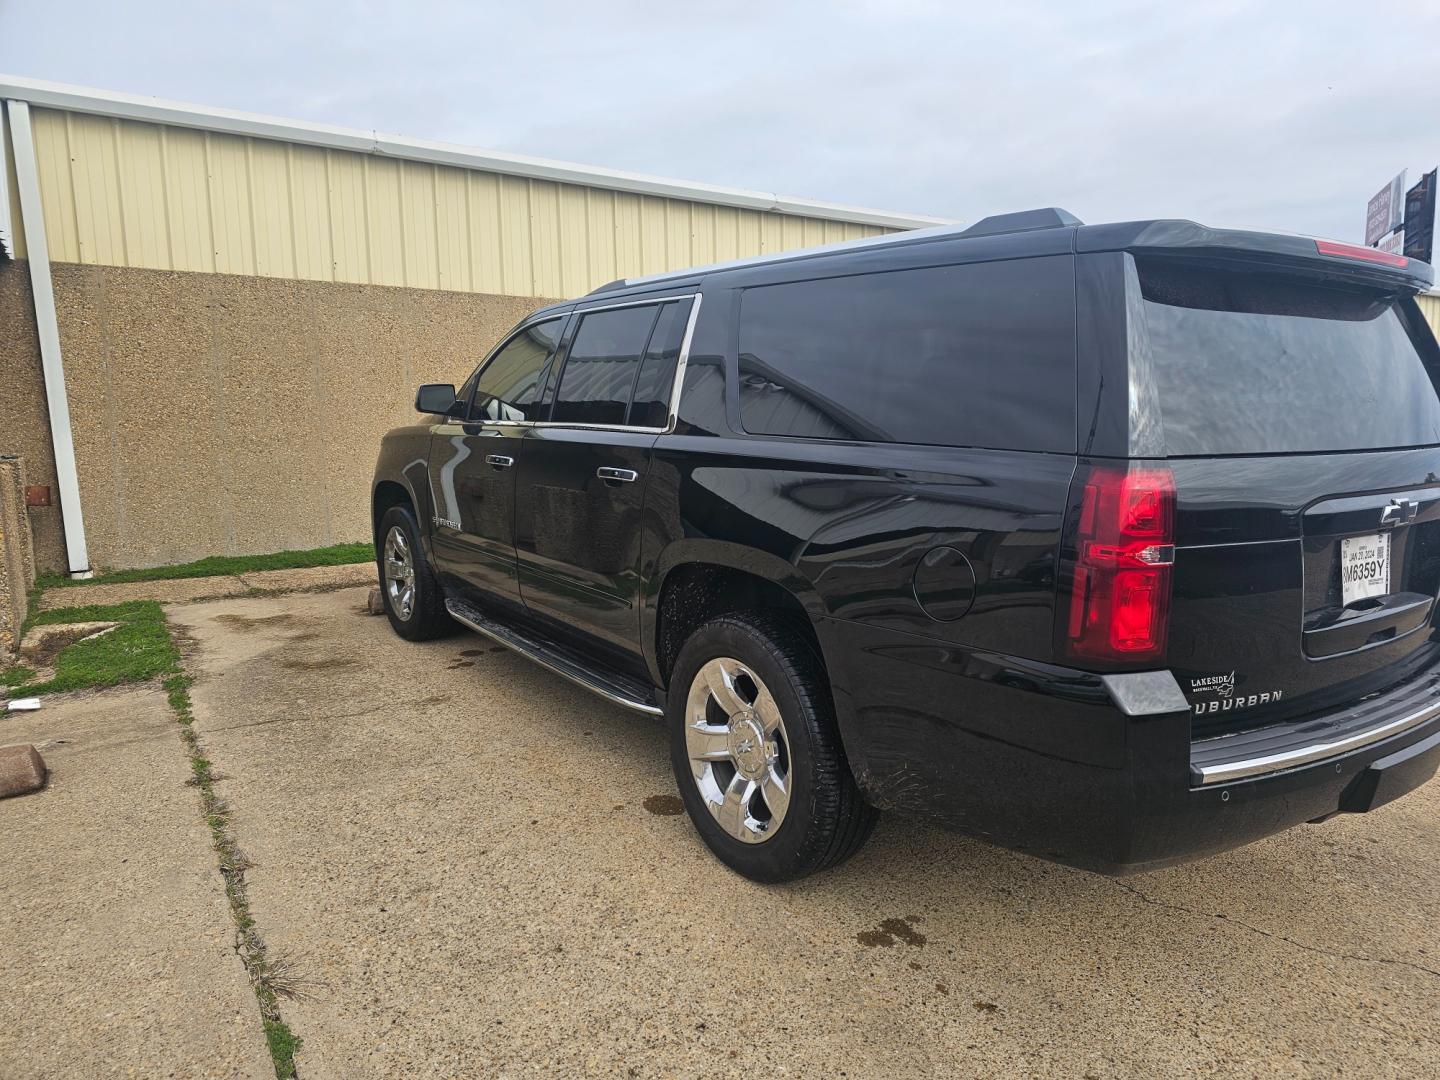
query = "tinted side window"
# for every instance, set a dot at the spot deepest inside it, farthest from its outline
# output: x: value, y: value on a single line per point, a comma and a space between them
x: 601, y: 366
x: 977, y: 355
x: 509, y: 386
x: 650, y: 406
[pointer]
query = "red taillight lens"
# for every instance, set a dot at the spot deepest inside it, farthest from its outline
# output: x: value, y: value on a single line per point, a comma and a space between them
x: 1364, y: 254
x: 1125, y: 546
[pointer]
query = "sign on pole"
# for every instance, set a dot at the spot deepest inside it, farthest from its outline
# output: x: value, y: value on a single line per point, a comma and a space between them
x: 1420, y: 218
x: 1386, y: 211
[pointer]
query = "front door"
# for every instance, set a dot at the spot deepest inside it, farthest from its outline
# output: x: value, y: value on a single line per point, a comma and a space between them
x: 582, y: 476
x: 474, y: 461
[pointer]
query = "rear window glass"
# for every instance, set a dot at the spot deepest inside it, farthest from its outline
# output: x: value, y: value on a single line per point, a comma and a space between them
x: 976, y: 355
x: 1250, y: 365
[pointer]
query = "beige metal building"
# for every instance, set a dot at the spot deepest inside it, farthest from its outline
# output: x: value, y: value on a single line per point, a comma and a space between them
x: 1430, y: 305
x: 211, y: 316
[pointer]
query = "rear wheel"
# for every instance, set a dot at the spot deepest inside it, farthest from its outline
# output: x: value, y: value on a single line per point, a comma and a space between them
x: 756, y: 752
x: 413, y: 600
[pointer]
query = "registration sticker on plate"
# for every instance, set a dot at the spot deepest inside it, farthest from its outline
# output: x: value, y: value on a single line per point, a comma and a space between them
x: 1364, y: 567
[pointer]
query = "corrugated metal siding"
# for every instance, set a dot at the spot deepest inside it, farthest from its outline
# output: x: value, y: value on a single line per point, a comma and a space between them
x: 125, y: 193
x: 1430, y: 308
x: 16, y: 232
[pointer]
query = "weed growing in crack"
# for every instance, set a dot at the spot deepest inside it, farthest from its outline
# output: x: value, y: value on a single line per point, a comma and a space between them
x: 271, y: 978
x: 283, y: 1043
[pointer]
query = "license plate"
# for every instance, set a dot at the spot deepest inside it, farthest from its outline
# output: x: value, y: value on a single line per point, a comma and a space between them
x: 1364, y: 567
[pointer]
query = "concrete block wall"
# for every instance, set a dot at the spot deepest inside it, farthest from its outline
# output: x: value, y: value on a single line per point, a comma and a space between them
x: 24, y: 424
x: 17, y: 555
x: 225, y: 414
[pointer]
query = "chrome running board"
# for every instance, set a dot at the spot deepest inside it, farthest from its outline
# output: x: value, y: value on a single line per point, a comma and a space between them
x: 623, y: 690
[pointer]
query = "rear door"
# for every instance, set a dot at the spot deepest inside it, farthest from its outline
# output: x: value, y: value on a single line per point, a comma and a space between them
x: 1302, y: 425
x: 582, y: 476
x: 473, y: 464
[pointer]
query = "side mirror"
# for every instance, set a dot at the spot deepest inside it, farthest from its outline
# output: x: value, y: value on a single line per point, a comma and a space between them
x: 435, y: 398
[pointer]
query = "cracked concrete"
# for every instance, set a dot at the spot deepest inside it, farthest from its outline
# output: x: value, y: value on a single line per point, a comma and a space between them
x: 476, y: 866
x: 118, y: 948
x: 1271, y: 934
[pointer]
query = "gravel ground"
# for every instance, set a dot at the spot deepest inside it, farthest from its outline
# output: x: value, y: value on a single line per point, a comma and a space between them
x: 481, y: 871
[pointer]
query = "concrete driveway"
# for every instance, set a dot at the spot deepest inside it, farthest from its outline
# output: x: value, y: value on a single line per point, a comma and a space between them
x: 481, y: 868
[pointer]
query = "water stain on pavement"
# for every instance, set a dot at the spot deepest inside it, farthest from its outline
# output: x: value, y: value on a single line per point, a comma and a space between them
x: 889, y: 930
x: 323, y: 663
x: 246, y: 623
x: 664, y: 805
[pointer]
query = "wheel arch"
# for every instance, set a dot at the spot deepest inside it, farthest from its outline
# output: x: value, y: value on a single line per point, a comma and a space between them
x: 387, y: 493
x: 697, y: 579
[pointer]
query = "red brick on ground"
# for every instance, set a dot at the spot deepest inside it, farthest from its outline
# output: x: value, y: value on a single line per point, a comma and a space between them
x: 22, y: 770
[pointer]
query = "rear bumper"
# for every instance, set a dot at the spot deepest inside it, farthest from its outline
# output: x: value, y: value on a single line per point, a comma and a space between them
x: 1042, y: 759
x: 1172, y: 824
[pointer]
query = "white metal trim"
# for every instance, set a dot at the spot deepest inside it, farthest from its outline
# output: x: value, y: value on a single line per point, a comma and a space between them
x: 81, y: 99
x: 32, y: 219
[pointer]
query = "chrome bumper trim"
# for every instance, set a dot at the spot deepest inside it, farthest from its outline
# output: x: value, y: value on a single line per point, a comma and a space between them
x: 1304, y: 755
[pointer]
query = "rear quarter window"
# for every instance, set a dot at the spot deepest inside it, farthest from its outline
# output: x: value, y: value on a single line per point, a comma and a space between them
x: 976, y: 355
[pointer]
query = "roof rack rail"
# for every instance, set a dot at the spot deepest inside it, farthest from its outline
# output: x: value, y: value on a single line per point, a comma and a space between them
x: 618, y: 283
x: 1050, y: 217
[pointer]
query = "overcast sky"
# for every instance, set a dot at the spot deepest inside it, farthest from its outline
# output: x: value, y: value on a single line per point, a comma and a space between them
x: 1270, y: 115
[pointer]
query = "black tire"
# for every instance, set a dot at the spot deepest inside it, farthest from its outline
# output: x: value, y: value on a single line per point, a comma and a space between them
x: 826, y: 819
x: 427, y: 617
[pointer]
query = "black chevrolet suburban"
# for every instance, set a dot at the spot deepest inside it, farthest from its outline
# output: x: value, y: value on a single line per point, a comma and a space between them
x: 1117, y: 544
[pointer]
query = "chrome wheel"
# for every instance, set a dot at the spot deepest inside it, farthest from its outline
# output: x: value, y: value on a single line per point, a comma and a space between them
x: 739, y: 750
x: 399, y: 563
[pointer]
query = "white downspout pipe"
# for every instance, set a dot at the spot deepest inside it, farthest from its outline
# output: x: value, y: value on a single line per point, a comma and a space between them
x: 32, y: 218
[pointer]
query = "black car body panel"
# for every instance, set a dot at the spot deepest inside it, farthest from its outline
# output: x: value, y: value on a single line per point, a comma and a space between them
x: 939, y: 574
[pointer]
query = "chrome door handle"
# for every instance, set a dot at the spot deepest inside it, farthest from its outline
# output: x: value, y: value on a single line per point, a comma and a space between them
x: 605, y: 472
x: 500, y: 461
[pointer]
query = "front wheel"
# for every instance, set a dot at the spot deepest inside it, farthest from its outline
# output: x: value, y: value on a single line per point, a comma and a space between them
x: 756, y: 751
x: 414, y: 602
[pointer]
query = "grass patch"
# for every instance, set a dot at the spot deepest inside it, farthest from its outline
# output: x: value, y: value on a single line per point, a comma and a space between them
x: 270, y: 978
x: 138, y: 649
x: 221, y: 565
x: 16, y: 675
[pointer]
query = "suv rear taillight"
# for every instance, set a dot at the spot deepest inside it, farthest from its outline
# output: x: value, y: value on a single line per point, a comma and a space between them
x: 1124, y: 549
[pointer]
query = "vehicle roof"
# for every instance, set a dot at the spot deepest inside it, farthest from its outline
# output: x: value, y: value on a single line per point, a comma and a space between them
x: 1029, y: 233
